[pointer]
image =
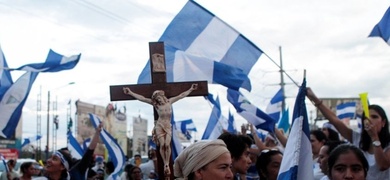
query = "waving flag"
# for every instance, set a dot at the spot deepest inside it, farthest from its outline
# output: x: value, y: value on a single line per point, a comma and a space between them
x: 346, y: 110
x: 54, y: 62
x: 5, y: 75
x: 86, y: 144
x: 12, y: 103
x: 176, y: 144
x: 114, y: 150
x: 297, y: 161
x: 250, y: 112
x: 216, y: 122
x: 200, y: 46
x: 185, y: 127
x: 231, y: 126
x: 74, y: 147
x: 284, y: 121
x: 382, y: 29
x: 30, y: 140
x: 274, y: 108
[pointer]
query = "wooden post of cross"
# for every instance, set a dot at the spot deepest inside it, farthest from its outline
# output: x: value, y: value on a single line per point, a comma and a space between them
x: 159, y: 82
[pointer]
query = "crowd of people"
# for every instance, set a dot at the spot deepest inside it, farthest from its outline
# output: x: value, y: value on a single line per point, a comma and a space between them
x: 338, y: 152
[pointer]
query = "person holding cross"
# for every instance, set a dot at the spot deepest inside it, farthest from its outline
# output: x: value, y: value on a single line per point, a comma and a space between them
x: 162, y: 132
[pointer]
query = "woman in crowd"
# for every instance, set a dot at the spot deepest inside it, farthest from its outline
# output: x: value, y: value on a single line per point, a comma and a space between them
x: 324, y: 155
x: 268, y: 164
x: 373, y: 140
x: 27, y: 170
x: 135, y: 173
x: 317, y: 139
x: 347, y: 161
x: 206, y: 160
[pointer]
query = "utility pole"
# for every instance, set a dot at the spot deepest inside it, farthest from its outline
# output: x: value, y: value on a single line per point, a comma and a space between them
x: 282, y: 84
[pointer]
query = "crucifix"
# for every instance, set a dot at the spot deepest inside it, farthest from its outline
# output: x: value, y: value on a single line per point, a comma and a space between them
x: 161, y: 95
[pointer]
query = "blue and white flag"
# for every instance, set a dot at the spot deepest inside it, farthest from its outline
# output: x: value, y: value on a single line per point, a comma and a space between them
x: 382, y: 29
x: 297, y: 161
x: 200, y: 46
x: 30, y: 140
x: 185, y: 126
x: 284, y: 121
x: 86, y: 144
x: 231, y: 125
x: 5, y: 75
x: 216, y: 124
x: 274, y: 108
x: 250, y: 112
x: 346, y: 110
x: 74, y: 147
x: 54, y: 62
x: 12, y: 103
x: 115, y: 152
x: 176, y: 144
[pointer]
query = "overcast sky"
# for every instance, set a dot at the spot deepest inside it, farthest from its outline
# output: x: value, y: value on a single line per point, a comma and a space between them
x: 327, y: 38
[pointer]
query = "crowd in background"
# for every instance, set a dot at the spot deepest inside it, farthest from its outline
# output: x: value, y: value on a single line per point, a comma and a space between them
x: 338, y: 152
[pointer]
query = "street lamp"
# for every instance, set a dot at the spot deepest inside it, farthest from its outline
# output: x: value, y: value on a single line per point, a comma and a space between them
x: 48, y: 119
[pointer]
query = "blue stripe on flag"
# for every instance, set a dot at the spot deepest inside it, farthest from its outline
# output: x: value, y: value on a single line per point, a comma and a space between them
x: 30, y: 140
x: 12, y: 103
x: 4, y: 163
x: 54, y: 62
x: 382, y: 29
x: 5, y: 75
x: 214, y: 126
x: 296, y: 163
x: 346, y: 110
x: 274, y: 108
x: 284, y: 121
x: 250, y: 112
x: 231, y: 127
x: 74, y: 147
x: 176, y: 144
x: 194, y: 40
x: 114, y: 150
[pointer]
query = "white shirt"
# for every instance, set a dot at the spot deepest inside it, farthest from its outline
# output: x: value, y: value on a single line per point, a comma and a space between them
x: 373, y: 172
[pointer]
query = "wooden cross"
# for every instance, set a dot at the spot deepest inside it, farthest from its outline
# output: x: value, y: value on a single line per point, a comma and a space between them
x: 159, y: 82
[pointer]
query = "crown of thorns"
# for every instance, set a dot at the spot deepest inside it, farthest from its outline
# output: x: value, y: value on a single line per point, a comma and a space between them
x: 158, y: 93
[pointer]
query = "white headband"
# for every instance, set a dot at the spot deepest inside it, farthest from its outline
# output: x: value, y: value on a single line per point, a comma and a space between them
x: 63, y: 160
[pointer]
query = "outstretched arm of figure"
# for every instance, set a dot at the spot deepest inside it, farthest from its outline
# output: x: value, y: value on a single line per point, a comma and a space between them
x: 127, y: 91
x: 344, y: 130
x: 183, y: 94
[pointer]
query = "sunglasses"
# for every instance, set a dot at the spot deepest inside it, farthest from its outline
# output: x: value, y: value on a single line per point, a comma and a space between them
x: 265, y: 151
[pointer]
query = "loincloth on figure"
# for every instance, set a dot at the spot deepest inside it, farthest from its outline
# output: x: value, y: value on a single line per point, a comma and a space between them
x: 162, y: 129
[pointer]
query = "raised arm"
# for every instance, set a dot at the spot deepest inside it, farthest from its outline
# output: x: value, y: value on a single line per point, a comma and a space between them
x: 281, y: 137
x: 344, y: 130
x: 183, y: 94
x: 127, y: 91
x: 260, y: 145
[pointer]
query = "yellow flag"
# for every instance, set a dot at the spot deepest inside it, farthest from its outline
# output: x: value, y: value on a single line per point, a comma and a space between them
x: 364, y: 101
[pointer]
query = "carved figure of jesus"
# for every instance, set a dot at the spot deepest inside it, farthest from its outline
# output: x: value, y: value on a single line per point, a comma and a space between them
x: 162, y: 131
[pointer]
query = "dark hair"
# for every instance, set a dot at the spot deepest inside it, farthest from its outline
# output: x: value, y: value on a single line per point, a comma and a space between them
x: 236, y: 144
x: 320, y: 136
x: 127, y: 169
x: 68, y: 158
x: 263, y: 160
x: 131, y: 171
x: 344, y: 149
x: 24, y: 167
x: 384, y: 134
x: 332, y: 145
x: 333, y: 135
x: 110, y: 167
